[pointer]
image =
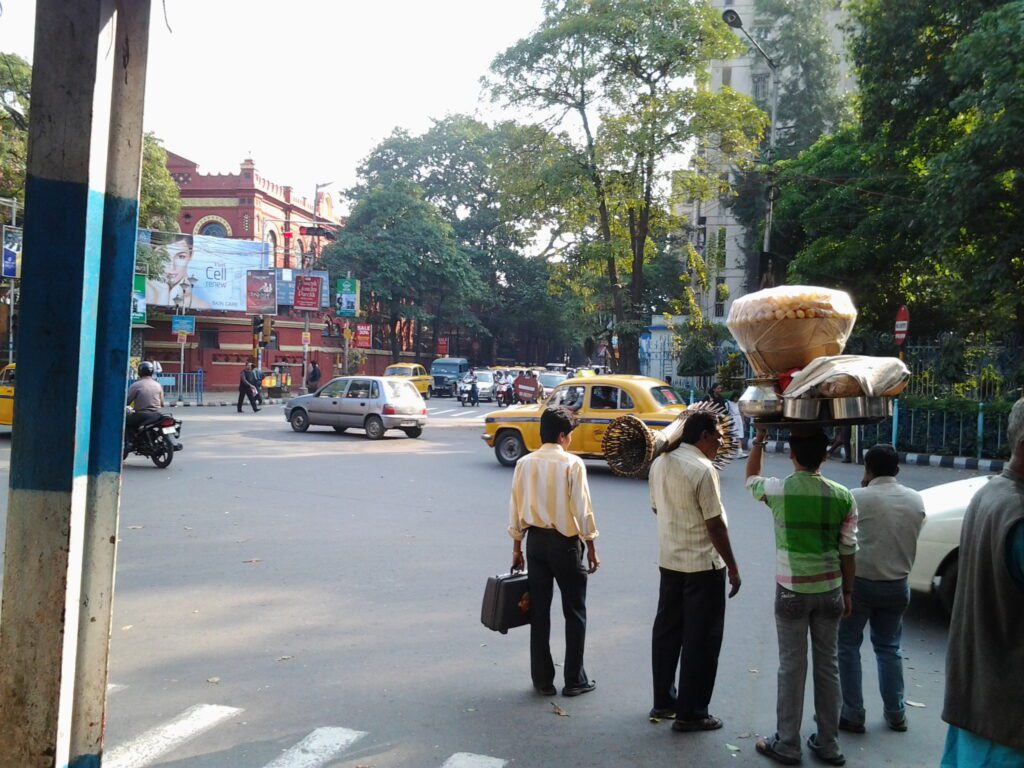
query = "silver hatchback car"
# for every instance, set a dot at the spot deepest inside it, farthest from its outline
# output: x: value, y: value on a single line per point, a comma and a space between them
x: 373, y: 403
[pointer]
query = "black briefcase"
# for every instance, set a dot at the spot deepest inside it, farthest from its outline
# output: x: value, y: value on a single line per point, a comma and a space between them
x: 506, y: 602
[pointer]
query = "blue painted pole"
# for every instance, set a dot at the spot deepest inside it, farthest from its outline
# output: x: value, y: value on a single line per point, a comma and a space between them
x: 895, y: 421
x: 113, y: 341
x: 65, y: 182
x: 981, y: 426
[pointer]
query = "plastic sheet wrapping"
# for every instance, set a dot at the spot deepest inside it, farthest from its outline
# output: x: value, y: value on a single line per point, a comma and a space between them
x: 849, y: 376
x: 787, y: 327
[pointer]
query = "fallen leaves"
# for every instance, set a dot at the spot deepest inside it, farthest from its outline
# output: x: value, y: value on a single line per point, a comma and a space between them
x: 910, y: 703
x: 253, y: 560
x: 213, y: 680
x: 558, y: 710
x: 284, y: 658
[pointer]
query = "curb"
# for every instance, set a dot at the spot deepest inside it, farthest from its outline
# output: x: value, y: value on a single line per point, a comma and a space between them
x: 222, y: 403
x: 922, y: 459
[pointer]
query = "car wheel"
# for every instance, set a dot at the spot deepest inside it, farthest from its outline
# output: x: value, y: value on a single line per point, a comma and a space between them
x: 947, y: 584
x: 429, y: 394
x: 299, y: 420
x: 341, y: 430
x: 509, y: 448
x: 166, y: 454
x: 413, y: 431
x: 374, y: 427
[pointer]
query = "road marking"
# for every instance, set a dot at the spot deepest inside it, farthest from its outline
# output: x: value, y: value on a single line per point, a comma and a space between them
x: 469, y: 760
x: 442, y: 413
x: 317, y: 748
x: 145, y: 749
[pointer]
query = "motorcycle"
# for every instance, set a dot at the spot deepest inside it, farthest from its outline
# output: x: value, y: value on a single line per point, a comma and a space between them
x: 506, y: 394
x: 156, y: 438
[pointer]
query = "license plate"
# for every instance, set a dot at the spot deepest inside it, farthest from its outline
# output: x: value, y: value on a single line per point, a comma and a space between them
x: 168, y: 430
x: 409, y: 424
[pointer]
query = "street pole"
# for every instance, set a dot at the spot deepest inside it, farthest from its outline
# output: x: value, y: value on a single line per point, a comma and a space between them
x: 305, y: 325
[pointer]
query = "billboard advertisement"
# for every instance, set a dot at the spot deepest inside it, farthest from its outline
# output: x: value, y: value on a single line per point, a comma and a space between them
x: 346, y: 298
x: 139, y: 300
x: 12, y: 252
x: 261, y: 292
x: 307, y: 292
x: 201, y: 272
x: 286, y: 286
x: 364, y: 336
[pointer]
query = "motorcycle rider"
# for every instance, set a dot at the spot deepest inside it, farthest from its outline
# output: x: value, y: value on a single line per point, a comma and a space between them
x: 146, y: 397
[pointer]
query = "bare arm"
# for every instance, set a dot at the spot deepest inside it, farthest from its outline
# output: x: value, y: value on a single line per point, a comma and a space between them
x: 718, y: 532
x: 756, y: 454
x: 848, y: 565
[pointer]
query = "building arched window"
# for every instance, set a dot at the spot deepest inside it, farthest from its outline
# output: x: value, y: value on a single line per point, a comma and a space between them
x: 213, y: 229
x: 271, y: 241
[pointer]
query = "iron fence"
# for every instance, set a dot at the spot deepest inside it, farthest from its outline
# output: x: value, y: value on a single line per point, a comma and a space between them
x: 182, y: 387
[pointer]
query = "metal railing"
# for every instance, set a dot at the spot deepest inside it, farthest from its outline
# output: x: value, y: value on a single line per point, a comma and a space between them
x: 182, y: 387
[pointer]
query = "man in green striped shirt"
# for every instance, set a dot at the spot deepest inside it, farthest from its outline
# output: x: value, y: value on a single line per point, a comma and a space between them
x: 815, y: 542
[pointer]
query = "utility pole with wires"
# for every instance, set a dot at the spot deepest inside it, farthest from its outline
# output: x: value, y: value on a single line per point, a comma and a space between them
x: 305, y: 271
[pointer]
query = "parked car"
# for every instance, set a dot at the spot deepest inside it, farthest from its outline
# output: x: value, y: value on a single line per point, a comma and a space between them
x: 415, y: 374
x: 938, y: 545
x: 373, y: 403
x: 597, y: 400
x: 446, y: 372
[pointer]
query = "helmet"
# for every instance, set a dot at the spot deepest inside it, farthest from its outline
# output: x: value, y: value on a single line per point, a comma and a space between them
x: 145, y: 368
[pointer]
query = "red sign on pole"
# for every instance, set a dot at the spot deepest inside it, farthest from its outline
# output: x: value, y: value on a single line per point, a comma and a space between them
x: 364, y: 336
x: 442, y: 346
x: 307, y: 292
x: 902, y: 324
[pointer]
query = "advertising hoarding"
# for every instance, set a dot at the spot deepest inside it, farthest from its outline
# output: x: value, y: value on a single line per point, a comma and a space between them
x: 139, y: 300
x: 346, y: 298
x: 307, y: 292
x: 364, y: 336
x: 183, y: 324
x: 12, y: 252
x: 261, y: 292
x: 201, y: 272
x: 286, y: 286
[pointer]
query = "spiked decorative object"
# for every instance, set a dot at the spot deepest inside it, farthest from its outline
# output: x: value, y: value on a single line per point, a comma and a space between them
x: 630, y: 446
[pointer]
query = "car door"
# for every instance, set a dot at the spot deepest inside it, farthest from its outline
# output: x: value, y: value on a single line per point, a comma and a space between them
x: 605, y: 404
x: 325, y: 408
x: 7, y: 396
x: 357, y: 402
x: 420, y: 379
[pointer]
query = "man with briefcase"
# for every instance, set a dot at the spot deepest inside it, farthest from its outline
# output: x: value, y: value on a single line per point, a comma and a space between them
x: 551, y: 508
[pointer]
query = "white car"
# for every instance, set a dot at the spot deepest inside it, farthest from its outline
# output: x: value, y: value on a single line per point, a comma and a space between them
x: 938, y: 545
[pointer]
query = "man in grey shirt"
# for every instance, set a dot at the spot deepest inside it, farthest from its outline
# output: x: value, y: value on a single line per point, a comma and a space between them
x: 891, y: 516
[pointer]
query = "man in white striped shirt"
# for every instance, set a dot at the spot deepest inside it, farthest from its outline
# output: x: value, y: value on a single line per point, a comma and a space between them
x: 551, y: 507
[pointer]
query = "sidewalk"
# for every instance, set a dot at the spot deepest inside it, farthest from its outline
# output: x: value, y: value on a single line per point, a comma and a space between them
x: 921, y: 459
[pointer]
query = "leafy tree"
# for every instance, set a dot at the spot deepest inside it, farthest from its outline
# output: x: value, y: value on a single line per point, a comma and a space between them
x: 15, y: 86
x: 625, y: 81
x: 405, y: 254
x: 159, y: 197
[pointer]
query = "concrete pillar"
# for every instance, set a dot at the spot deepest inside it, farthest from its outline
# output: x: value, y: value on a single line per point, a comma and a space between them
x: 46, y: 541
x: 113, y: 342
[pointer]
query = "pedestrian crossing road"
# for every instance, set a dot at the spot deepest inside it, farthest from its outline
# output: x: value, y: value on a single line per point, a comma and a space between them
x: 321, y: 747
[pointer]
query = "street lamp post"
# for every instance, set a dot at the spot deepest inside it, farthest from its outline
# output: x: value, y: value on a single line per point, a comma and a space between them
x: 733, y: 19
x: 305, y: 270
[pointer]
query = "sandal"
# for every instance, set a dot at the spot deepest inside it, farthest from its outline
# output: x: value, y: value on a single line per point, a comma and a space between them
x: 765, y: 747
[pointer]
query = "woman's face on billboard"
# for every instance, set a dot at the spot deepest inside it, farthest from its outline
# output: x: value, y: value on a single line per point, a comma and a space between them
x: 180, y: 256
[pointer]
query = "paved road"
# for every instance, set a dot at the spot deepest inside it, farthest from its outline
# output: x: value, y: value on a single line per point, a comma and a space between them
x: 313, y: 600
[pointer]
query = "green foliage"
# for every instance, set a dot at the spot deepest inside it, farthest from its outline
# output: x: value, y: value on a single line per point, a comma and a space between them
x: 730, y: 373
x: 621, y: 85
x: 15, y: 86
x: 159, y: 198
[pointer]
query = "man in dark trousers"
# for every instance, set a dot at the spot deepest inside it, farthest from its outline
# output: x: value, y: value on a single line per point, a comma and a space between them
x: 313, y: 379
x: 985, y: 659
x: 247, y: 387
x: 694, y: 557
x: 550, y: 506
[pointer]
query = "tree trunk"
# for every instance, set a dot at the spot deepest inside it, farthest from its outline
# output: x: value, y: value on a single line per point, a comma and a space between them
x: 394, y: 325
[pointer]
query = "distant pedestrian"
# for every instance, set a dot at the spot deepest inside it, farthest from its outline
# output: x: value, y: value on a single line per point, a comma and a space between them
x: 551, y: 508
x: 985, y: 659
x: 474, y: 389
x: 248, y: 387
x: 739, y: 426
x: 815, y: 541
x: 889, y: 518
x: 313, y: 378
x: 694, y: 558
x: 715, y: 396
x: 841, y: 440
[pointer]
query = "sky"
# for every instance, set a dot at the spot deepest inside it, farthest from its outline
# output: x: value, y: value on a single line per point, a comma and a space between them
x: 307, y: 88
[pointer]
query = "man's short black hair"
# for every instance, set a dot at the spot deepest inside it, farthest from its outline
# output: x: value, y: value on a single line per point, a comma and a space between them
x: 697, y: 424
x: 809, y: 450
x: 882, y: 460
x: 556, y: 421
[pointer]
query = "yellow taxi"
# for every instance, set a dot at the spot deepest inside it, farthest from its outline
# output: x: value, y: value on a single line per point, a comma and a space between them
x: 414, y: 373
x: 7, y: 395
x: 597, y: 402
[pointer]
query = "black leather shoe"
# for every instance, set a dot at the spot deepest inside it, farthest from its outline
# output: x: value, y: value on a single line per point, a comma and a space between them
x: 851, y: 727
x: 577, y: 690
x: 708, y: 723
x: 546, y: 690
x: 665, y: 713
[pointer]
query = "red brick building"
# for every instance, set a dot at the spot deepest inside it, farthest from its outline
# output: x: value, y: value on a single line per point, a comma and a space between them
x: 247, y: 206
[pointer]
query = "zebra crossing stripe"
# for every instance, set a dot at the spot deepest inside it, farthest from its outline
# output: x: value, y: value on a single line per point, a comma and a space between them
x: 317, y: 748
x: 145, y: 749
x: 469, y: 760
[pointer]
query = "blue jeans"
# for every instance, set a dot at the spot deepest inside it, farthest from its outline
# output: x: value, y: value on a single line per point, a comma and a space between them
x: 880, y: 604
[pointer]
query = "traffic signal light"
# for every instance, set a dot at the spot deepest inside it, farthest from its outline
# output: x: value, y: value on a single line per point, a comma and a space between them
x: 317, y: 232
x: 257, y: 321
x: 268, y: 327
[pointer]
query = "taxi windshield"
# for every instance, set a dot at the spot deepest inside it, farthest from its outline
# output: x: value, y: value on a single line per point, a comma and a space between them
x: 398, y: 370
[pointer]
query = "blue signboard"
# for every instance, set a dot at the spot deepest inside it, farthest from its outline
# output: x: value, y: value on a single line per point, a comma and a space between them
x: 183, y: 324
x: 10, y: 264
